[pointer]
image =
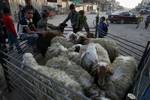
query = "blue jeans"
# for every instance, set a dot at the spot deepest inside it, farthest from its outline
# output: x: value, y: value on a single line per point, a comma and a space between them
x: 13, y: 40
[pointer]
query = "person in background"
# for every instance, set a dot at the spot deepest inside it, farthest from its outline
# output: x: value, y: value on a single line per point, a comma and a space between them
x: 102, y: 28
x: 11, y: 32
x: 73, y: 16
x: 19, y: 16
x: 36, y: 15
x: 82, y: 22
x: 140, y: 19
x: 3, y: 34
x: 42, y: 24
x: 28, y: 29
x: 147, y: 21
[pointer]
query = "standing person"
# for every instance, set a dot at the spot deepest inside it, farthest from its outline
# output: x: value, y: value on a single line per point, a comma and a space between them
x: 139, y: 20
x: 102, y: 28
x: 73, y: 16
x: 19, y: 16
x: 147, y: 21
x: 28, y: 30
x: 36, y: 15
x: 3, y: 34
x: 11, y: 32
x: 82, y: 22
x: 42, y: 24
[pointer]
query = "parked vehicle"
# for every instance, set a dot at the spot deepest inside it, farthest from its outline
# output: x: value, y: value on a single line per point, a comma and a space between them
x: 144, y: 11
x: 122, y: 18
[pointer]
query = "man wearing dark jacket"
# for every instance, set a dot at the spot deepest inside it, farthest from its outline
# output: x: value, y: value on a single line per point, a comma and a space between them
x: 73, y: 17
x: 36, y: 15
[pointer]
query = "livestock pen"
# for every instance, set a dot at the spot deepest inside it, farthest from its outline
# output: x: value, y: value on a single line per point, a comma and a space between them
x: 33, y: 85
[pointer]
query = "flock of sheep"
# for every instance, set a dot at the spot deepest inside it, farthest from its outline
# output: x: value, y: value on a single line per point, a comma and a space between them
x: 91, y: 67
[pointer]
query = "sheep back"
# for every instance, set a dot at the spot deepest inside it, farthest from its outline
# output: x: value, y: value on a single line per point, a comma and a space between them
x: 56, y: 75
x: 55, y: 50
x: 62, y: 41
x: 124, y: 68
x: 110, y: 45
x: 73, y: 70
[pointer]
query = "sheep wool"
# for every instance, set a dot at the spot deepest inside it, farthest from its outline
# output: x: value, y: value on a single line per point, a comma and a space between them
x: 63, y: 41
x: 124, y: 68
x: 110, y: 45
x: 75, y: 71
x: 55, y: 50
x: 93, y: 54
x: 74, y: 57
x: 57, y: 75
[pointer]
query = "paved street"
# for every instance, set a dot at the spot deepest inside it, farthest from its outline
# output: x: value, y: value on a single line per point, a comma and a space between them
x: 127, y: 31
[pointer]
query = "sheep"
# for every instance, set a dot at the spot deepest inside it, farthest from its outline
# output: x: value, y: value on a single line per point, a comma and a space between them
x: 57, y: 75
x: 63, y: 41
x: 110, y: 45
x: 55, y: 50
x: 75, y: 71
x: 96, y: 61
x: 124, y: 69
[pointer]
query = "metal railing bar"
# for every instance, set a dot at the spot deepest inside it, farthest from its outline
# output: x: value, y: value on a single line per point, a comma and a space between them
x: 48, y: 78
x: 128, y: 45
x: 20, y: 88
x: 34, y: 79
x: 127, y: 40
x: 130, y: 50
x: 29, y: 83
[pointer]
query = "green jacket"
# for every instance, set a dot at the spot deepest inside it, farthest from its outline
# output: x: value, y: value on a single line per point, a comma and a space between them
x: 82, y: 22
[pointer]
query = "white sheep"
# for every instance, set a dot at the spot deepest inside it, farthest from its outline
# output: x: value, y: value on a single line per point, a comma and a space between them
x: 75, y: 71
x: 124, y: 68
x: 63, y: 41
x: 95, y: 59
x: 110, y: 45
x: 55, y: 50
x: 93, y: 56
x: 57, y: 75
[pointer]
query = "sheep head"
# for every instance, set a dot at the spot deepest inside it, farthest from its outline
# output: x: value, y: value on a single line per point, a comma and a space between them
x: 83, y: 40
x: 103, y: 72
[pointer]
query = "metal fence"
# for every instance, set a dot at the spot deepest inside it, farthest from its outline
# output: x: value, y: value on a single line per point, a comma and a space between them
x: 36, y: 86
x: 32, y: 84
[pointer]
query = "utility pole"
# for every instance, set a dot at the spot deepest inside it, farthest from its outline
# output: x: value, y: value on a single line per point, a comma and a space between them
x: 97, y: 20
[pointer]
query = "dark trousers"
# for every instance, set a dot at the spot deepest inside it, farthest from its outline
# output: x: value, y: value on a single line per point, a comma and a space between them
x: 75, y: 30
x: 146, y: 24
x: 13, y: 40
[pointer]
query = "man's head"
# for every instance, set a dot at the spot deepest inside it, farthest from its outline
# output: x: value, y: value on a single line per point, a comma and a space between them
x: 45, y: 13
x: 29, y: 13
x: 72, y: 7
x: 28, y: 2
x: 81, y: 12
x: 102, y: 19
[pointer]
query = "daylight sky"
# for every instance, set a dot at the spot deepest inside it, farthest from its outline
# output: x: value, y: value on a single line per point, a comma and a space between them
x: 129, y: 3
